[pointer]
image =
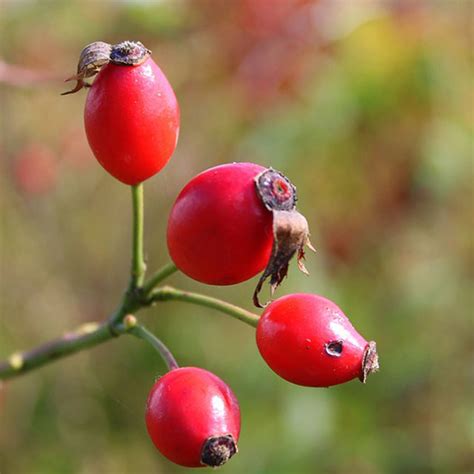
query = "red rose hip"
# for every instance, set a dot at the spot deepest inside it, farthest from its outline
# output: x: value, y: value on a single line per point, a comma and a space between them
x: 131, y: 114
x: 307, y: 340
x: 219, y: 231
x: 193, y: 418
x: 232, y: 221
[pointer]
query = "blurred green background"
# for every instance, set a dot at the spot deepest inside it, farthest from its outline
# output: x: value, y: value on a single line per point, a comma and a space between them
x: 367, y: 106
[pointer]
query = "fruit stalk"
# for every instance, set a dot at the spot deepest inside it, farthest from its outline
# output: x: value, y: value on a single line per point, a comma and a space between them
x: 138, y: 262
x: 141, y: 332
x: 167, y: 293
x: 163, y: 273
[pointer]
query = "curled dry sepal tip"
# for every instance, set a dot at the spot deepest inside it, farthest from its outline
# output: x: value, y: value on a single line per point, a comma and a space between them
x: 290, y: 228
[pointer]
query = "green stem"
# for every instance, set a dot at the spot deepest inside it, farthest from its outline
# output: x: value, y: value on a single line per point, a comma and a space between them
x: 137, y: 296
x: 167, y: 293
x: 129, y: 304
x: 131, y: 299
x: 87, y: 336
x: 138, y: 261
x: 92, y: 334
x: 163, y: 273
x: 142, y: 333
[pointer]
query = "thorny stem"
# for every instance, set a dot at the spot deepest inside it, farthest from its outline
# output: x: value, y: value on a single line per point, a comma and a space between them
x: 167, y: 293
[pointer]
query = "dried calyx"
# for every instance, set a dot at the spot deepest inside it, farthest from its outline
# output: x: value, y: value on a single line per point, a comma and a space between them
x: 217, y: 450
x: 370, y: 361
x: 96, y: 55
x: 290, y: 228
x: 129, y: 53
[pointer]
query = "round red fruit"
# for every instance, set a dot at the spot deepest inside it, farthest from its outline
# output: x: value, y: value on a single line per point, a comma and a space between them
x: 193, y: 418
x: 307, y: 340
x: 219, y: 231
x: 132, y: 118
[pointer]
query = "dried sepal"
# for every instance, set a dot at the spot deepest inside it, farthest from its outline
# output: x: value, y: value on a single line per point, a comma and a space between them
x: 96, y: 55
x: 290, y: 229
x: 129, y: 53
x: 92, y: 58
x: 276, y: 191
x: 217, y: 450
x: 370, y: 361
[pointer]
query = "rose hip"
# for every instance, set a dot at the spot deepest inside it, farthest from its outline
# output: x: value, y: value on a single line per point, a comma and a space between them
x: 232, y: 221
x: 219, y: 231
x: 307, y: 340
x: 193, y: 418
x: 131, y: 114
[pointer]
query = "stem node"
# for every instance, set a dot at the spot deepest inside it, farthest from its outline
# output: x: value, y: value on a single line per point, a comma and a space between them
x: 129, y: 322
x: 16, y: 361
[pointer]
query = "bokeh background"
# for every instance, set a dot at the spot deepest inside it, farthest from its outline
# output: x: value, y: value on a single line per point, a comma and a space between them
x: 367, y: 106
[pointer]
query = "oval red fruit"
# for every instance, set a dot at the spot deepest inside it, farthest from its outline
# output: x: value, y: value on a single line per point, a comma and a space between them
x: 219, y: 231
x: 132, y: 120
x: 193, y: 418
x: 307, y: 340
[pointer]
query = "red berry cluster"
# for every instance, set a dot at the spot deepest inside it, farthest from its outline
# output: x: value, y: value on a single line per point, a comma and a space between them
x: 228, y: 224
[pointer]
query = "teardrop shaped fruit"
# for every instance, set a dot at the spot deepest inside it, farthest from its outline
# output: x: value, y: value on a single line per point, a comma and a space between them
x: 307, y: 340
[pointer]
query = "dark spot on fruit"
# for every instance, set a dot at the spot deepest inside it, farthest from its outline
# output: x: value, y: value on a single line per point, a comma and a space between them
x: 334, y: 348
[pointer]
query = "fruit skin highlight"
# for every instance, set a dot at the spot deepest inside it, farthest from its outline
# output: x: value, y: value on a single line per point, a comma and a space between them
x: 219, y: 231
x: 131, y: 119
x: 307, y: 340
x: 193, y: 418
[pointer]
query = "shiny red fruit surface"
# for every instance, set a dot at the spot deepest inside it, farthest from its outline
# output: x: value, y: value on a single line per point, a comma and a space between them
x: 132, y: 120
x: 219, y: 231
x: 187, y: 407
x: 307, y: 340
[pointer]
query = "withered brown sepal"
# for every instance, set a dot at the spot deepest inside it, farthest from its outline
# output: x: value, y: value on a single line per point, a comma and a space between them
x: 290, y: 228
x: 96, y: 55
